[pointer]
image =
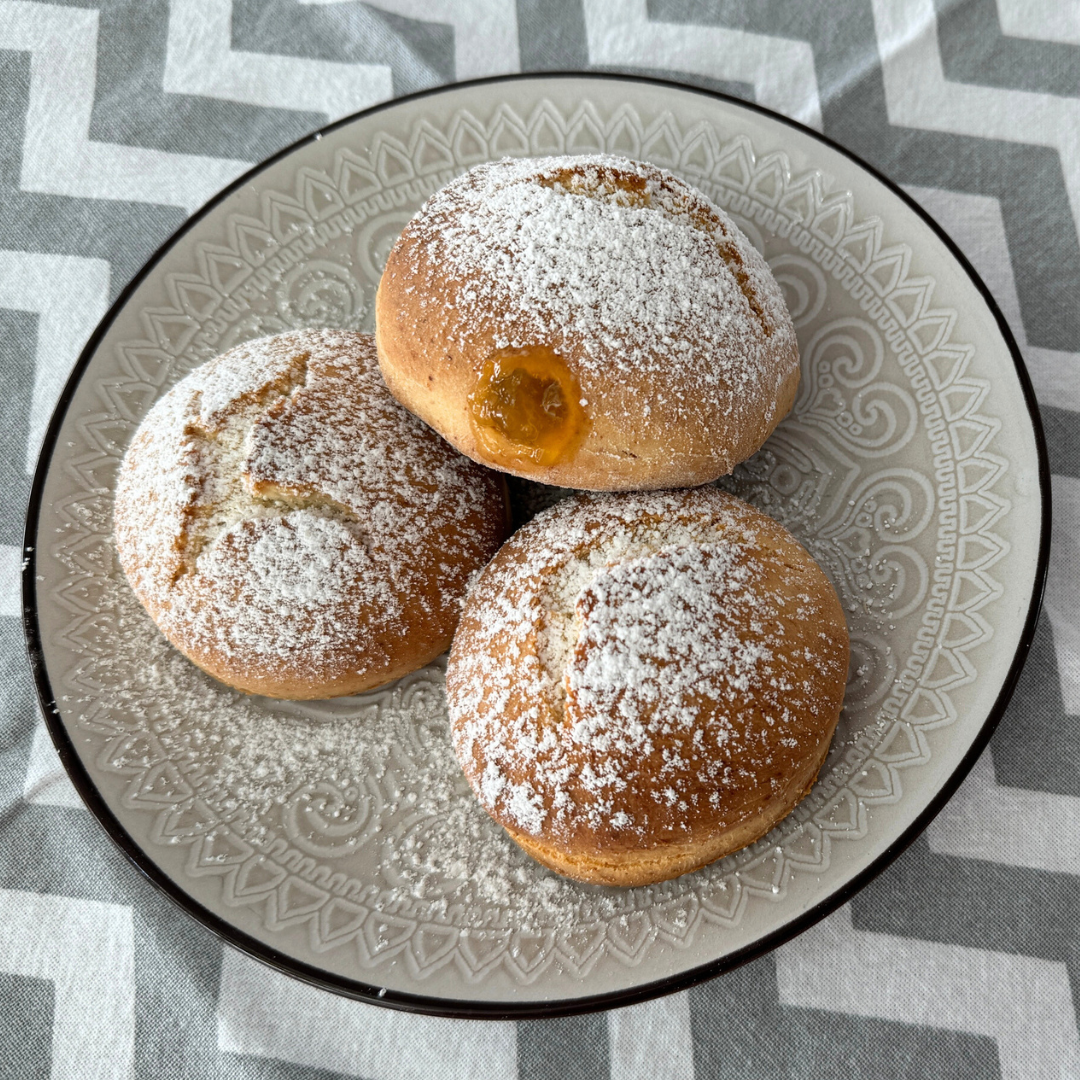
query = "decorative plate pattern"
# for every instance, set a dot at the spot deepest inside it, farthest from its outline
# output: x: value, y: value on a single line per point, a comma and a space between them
x: 342, y: 830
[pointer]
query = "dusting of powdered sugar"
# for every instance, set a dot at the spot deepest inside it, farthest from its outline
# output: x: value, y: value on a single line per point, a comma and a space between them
x: 278, y: 506
x: 640, y: 659
x: 292, y: 572
x: 618, y: 265
x: 368, y: 786
x: 588, y: 647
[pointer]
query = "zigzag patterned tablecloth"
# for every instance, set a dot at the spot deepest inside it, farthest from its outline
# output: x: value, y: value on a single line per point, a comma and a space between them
x: 118, y: 118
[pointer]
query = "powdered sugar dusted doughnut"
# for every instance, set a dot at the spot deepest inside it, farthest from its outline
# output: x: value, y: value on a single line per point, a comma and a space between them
x: 292, y: 529
x: 641, y: 684
x: 592, y: 322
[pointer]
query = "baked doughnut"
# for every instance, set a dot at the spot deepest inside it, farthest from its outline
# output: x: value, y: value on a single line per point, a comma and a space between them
x: 641, y: 684
x: 293, y: 530
x: 591, y: 322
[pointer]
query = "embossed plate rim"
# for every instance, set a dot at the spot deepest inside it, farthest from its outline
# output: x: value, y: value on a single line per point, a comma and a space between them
x: 443, y: 1006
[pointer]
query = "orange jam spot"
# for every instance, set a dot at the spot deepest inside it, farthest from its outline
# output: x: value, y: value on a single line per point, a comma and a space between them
x: 527, y: 407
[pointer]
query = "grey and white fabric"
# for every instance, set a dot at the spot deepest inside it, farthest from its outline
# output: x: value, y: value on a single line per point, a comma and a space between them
x: 118, y: 118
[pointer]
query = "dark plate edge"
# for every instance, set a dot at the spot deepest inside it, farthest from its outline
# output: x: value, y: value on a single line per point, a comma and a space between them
x: 510, y: 1010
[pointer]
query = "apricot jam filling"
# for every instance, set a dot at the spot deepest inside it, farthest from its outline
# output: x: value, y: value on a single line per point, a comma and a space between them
x: 527, y: 407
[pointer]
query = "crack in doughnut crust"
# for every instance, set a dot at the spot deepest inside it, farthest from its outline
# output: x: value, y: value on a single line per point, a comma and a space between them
x: 292, y: 529
x: 664, y: 315
x: 643, y: 683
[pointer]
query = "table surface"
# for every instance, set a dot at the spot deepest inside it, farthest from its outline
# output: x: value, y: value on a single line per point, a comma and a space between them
x: 119, y: 118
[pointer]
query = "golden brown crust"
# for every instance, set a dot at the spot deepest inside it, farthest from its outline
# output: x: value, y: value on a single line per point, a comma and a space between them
x: 666, y: 861
x: 641, y: 684
x: 675, y: 329
x: 291, y: 529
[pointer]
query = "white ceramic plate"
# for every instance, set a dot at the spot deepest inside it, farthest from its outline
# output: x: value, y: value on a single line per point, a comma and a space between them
x: 337, y: 840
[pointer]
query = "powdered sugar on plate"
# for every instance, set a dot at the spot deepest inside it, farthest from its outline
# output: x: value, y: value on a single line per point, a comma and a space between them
x: 368, y: 787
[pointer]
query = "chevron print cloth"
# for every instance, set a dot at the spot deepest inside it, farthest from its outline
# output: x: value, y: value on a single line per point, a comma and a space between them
x: 118, y: 118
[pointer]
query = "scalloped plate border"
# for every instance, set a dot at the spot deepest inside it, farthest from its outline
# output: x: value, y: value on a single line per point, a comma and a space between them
x: 443, y: 1006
